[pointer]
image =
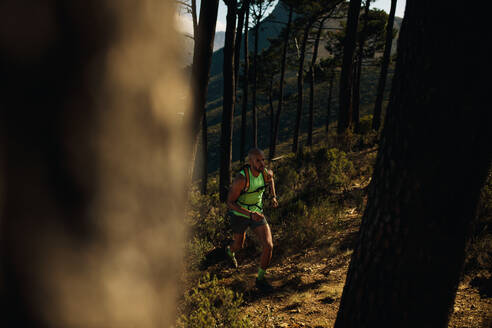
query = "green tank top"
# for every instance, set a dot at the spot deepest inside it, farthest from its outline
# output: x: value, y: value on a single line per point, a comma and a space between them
x: 252, y: 199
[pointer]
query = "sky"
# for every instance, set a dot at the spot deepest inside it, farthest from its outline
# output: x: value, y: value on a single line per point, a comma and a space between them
x: 184, y: 21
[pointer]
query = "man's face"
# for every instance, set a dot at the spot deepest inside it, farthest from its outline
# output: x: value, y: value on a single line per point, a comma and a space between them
x: 257, y: 161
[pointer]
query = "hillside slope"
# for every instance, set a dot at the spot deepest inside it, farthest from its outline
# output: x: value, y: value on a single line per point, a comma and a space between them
x: 314, y: 232
x: 271, y: 28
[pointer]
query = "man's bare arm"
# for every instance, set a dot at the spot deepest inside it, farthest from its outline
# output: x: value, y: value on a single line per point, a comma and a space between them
x: 272, y: 188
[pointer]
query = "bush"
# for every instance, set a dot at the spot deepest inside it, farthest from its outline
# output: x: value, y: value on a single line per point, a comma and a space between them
x: 212, y: 305
x: 334, y: 168
x: 206, y: 217
x: 365, y: 124
x: 196, y: 250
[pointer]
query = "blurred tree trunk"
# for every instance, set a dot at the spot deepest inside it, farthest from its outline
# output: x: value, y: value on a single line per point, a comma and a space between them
x: 346, y: 76
x: 300, y: 85
x: 244, y: 111
x: 228, y: 102
x: 434, y: 156
x: 273, y: 145
x: 358, y: 69
x: 311, y: 82
x: 200, y: 73
x: 93, y: 164
x: 376, y: 119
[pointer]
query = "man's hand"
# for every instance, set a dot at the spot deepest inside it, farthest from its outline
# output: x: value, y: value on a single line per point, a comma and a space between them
x: 257, y: 216
x: 274, y: 202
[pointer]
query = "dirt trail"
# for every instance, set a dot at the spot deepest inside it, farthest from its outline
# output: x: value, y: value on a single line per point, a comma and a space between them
x: 308, y: 287
x: 309, y: 284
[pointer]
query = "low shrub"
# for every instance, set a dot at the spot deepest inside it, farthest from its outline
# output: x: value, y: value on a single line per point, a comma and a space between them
x: 334, y: 168
x: 365, y: 124
x: 210, y: 304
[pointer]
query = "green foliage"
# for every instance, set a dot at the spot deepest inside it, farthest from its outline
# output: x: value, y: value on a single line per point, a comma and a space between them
x: 334, y: 168
x: 206, y: 217
x: 210, y: 304
x: 206, y: 220
x: 196, y: 249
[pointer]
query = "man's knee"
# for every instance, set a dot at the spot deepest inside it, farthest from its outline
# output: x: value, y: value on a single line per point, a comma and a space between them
x: 239, y: 242
x: 268, y: 246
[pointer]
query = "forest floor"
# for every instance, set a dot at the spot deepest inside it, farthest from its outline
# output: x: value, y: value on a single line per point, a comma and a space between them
x: 308, y: 283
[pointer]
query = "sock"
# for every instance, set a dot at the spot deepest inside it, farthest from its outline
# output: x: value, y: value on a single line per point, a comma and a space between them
x: 231, y: 254
x: 261, y: 273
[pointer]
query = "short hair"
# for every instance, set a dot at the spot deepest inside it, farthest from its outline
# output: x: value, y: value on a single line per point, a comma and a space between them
x: 255, y: 151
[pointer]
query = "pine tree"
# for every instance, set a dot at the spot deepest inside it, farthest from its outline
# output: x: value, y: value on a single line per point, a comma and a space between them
x: 434, y: 156
x: 228, y: 101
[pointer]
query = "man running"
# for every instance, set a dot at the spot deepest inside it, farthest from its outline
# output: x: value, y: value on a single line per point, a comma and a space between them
x: 245, y: 201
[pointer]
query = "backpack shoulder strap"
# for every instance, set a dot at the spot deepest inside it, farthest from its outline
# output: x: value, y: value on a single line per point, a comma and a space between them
x: 246, y: 175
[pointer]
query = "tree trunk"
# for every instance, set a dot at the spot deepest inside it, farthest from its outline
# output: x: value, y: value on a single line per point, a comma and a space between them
x: 358, y: 69
x: 93, y: 164
x: 239, y: 36
x: 272, y: 111
x: 200, y: 73
x: 328, y: 107
x: 204, y: 153
x: 194, y: 19
x: 356, y: 93
x: 434, y: 156
x: 273, y: 145
x: 228, y: 102
x: 345, y: 110
x: 244, y: 111
x: 311, y: 83
x: 255, y: 116
x: 376, y: 119
x: 300, y: 86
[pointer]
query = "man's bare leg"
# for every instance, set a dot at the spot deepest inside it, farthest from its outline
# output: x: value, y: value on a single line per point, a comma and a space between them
x: 238, y: 242
x: 265, y: 237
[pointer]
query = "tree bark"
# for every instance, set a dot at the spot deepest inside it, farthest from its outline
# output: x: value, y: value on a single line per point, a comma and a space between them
x: 273, y: 145
x: 434, y: 156
x: 345, y: 110
x: 358, y: 69
x: 239, y: 36
x: 244, y: 111
x: 194, y: 18
x: 356, y: 93
x: 311, y: 83
x: 328, y: 107
x: 376, y: 119
x: 200, y: 73
x: 254, y: 114
x: 300, y: 86
x: 204, y: 153
x: 228, y: 102
x: 272, y: 111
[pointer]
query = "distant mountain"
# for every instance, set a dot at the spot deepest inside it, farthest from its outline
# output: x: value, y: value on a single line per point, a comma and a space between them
x: 188, y: 43
x: 219, y: 40
x: 271, y: 27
